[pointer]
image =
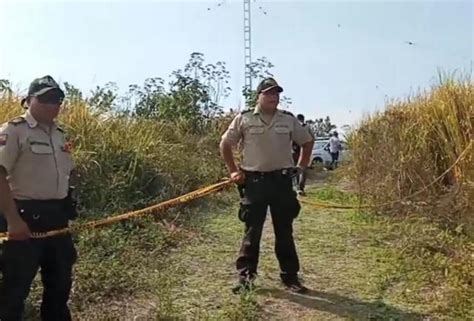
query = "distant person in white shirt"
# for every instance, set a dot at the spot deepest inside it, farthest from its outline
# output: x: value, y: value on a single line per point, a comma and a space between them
x: 334, y: 147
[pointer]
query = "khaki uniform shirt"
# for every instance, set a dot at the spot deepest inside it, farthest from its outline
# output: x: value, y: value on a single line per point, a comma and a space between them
x: 267, y: 144
x: 37, y: 160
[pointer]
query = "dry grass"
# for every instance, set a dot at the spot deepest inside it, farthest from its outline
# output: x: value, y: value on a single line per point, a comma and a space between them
x: 400, y: 151
x: 364, y: 265
x: 124, y: 163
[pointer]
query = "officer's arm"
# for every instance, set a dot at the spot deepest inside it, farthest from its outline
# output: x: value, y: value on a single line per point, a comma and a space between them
x: 302, y: 137
x: 305, y: 156
x: 230, y: 139
x: 226, y: 152
x: 9, y: 151
x: 7, y: 205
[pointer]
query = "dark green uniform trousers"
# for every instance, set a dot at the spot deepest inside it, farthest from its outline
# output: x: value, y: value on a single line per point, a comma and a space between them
x: 260, y: 191
x: 21, y: 260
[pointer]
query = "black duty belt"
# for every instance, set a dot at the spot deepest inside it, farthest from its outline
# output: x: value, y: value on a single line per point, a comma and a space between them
x: 41, y: 215
x: 285, y: 172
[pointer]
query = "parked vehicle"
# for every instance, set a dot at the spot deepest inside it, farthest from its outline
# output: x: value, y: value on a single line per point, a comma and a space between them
x: 322, y: 156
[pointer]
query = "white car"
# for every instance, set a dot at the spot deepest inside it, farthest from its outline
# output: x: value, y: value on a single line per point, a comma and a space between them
x: 323, y: 157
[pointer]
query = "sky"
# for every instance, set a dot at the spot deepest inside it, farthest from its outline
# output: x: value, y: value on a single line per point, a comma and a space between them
x: 341, y: 59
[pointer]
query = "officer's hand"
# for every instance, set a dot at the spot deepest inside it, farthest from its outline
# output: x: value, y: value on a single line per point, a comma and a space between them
x: 237, y: 177
x: 18, y: 230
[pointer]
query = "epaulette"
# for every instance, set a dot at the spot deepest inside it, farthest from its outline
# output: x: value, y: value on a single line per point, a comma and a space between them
x: 286, y: 112
x: 17, y: 121
x: 246, y: 111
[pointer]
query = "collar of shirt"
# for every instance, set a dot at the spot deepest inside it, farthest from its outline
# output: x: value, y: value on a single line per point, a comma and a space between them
x: 32, y: 122
x: 258, y: 110
x: 278, y: 113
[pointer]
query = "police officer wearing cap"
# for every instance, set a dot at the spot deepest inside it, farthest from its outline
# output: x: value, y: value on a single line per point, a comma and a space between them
x: 35, y: 166
x: 264, y: 180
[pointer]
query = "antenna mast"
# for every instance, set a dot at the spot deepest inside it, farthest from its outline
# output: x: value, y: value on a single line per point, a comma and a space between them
x: 247, y: 43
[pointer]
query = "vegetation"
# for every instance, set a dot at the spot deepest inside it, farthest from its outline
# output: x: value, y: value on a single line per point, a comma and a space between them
x: 404, y: 261
x: 419, y: 153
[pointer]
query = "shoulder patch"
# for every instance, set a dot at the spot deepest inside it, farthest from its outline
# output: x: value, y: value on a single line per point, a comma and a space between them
x: 17, y: 121
x: 286, y: 112
x: 3, y: 139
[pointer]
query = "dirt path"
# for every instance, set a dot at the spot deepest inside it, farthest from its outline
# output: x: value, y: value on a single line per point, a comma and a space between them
x: 341, y: 263
x: 344, y: 263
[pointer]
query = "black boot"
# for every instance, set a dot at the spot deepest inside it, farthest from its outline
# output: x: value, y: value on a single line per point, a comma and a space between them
x: 293, y: 284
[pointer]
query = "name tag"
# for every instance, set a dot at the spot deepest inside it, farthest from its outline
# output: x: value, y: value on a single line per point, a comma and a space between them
x: 256, y: 130
x: 282, y: 129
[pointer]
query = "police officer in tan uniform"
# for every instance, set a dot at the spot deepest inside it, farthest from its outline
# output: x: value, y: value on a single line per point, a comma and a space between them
x: 35, y: 166
x: 264, y: 180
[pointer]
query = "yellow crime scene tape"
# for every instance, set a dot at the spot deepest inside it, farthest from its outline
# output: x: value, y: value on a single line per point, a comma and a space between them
x: 183, y: 199
x: 186, y: 198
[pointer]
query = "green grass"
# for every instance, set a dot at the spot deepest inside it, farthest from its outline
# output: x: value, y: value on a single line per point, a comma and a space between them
x: 394, y: 265
x: 359, y: 266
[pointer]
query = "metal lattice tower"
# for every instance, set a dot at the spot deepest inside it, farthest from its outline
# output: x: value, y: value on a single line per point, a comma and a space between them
x: 247, y: 43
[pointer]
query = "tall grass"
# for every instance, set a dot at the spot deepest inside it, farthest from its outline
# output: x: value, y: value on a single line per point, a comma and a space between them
x: 401, y: 150
x: 124, y: 162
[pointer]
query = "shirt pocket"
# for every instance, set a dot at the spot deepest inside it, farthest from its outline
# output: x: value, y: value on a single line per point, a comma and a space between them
x: 40, y: 148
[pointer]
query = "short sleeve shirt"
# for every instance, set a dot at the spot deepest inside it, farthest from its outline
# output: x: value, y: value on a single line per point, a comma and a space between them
x: 37, y: 159
x: 267, y: 146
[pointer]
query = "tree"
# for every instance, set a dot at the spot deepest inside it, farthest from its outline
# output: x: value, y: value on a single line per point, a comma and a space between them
x: 193, y: 93
x: 214, y: 77
x: 146, y: 100
x: 102, y: 99
x: 321, y: 127
x: 5, y: 87
x: 72, y: 94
